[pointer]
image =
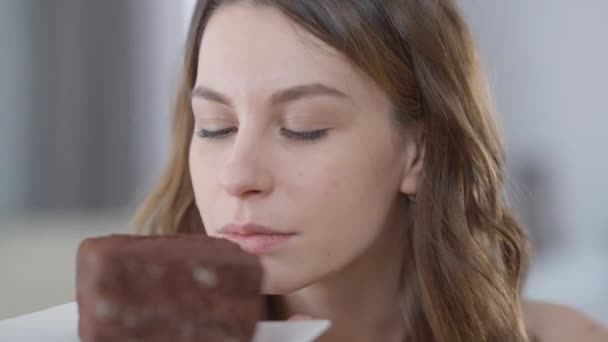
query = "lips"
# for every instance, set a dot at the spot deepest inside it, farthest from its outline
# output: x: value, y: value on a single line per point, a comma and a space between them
x: 255, y: 239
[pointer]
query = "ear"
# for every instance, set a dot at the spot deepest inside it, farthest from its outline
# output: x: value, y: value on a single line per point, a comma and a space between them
x: 414, y: 150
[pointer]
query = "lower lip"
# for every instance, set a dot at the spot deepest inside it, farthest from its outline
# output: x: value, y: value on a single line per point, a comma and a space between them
x: 258, y: 243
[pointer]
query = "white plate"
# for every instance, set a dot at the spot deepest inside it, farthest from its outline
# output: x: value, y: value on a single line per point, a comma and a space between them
x: 59, y: 324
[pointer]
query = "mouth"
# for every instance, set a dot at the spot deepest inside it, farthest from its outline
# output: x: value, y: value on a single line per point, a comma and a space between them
x: 255, y: 239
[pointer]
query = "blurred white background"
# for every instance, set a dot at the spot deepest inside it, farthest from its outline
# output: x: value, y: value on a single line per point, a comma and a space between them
x: 85, y: 94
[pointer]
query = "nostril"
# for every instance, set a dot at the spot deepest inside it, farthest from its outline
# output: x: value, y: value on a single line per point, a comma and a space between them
x: 251, y: 193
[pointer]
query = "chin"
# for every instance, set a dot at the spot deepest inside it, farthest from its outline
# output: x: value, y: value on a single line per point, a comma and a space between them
x: 283, y: 283
x: 282, y: 277
x: 270, y: 287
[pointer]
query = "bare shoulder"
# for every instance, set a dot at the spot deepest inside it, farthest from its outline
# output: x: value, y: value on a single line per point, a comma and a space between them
x: 552, y: 322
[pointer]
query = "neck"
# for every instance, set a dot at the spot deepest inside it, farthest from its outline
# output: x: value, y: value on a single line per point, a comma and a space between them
x: 363, y: 300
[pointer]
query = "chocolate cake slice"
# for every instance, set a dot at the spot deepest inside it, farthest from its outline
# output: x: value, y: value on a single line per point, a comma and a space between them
x: 166, y: 288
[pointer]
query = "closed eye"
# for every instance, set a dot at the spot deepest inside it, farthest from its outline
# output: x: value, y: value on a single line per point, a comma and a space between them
x: 304, y: 135
x: 216, y: 134
x: 289, y: 134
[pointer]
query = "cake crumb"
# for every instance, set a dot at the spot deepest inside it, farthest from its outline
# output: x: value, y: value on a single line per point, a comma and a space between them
x: 205, y: 276
x: 104, y: 310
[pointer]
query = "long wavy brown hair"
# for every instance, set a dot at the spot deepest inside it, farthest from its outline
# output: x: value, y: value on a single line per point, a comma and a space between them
x: 466, y: 255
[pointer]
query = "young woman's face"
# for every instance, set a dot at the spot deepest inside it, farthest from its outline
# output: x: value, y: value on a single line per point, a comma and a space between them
x: 290, y: 136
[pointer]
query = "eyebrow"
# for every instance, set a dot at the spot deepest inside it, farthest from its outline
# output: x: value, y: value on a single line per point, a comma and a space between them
x: 280, y: 97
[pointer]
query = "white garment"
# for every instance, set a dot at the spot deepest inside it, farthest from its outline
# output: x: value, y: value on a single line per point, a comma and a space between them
x: 60, y: 324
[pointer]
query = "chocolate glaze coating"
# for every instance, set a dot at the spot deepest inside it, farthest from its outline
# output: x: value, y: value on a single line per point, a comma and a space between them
x: 167, y: 288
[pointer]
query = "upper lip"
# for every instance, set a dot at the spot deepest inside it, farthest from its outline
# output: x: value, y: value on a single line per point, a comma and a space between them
x: 249, y: 229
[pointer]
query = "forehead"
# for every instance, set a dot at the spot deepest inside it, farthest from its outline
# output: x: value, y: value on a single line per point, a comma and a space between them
x: 248, y: 47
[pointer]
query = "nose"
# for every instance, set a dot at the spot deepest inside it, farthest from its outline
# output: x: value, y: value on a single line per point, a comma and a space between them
x: 245, y: 173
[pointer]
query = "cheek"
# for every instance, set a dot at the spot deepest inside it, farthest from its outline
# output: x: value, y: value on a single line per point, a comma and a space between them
x: 351, y: 196
x: 349, y: 209
x: 342, y: 219
x: 202, y: 174
x: 349, y: 203
x: 196, y: 170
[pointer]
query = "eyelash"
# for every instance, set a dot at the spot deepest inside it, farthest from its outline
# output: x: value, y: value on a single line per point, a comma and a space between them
x: 203, y: 133
x: 289, y: 134
x: 304, y: 135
